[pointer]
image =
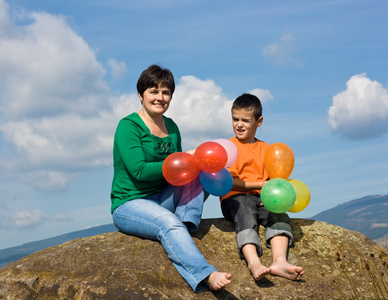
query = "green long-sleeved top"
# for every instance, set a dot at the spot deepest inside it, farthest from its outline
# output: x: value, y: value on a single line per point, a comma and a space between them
x: 138, y: 159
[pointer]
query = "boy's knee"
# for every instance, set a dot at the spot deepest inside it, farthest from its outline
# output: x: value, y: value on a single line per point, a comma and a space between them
x: 278, y: 229
x: 247, y: 236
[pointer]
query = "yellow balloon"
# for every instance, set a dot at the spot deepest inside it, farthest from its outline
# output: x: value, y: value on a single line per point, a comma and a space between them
x: 302, y: 195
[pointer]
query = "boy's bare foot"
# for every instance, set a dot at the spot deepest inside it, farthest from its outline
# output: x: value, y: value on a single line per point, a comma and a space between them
x: 286, y: 270
x: 258, y: 270
x: 217, y: 280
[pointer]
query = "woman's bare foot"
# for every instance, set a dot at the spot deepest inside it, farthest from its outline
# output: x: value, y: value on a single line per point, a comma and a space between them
x: 286, y: 270
x: 217, y: 280
x: 258, y: 270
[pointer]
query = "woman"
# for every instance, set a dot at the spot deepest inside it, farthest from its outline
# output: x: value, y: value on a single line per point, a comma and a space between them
x: 143, y: 203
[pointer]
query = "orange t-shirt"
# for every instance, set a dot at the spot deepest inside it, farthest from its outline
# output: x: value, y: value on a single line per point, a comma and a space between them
x: 249, y: 165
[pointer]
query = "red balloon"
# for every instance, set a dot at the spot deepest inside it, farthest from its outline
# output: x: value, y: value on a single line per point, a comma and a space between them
x: 279, y: 161
x: 180, y: 168
x: 211, y: 157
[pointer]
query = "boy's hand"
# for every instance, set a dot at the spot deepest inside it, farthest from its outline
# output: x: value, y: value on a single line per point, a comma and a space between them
x: 264, y: 182
x: 246, y: 186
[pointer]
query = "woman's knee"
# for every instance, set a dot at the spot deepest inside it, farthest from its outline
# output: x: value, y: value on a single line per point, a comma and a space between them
x: 169, y: 221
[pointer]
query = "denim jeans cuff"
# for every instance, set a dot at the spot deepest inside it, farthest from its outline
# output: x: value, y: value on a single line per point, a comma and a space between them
x: 201, y: 286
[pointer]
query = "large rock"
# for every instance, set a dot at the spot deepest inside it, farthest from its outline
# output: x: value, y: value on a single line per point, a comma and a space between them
x: 338, y: 264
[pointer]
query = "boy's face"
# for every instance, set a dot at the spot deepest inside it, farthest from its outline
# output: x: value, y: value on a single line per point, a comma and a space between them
x: 245, y: 124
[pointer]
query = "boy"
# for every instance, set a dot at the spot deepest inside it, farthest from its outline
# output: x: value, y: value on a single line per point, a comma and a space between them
x: 242, y: 205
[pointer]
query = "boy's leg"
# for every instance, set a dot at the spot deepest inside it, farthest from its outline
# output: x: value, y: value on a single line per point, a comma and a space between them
x: 241, y: 209
x: 258, y: 270
x: 280, y: 266
x: 278, y: 236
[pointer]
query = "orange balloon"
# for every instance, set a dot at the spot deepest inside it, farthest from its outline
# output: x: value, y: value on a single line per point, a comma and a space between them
x: 279, y: 161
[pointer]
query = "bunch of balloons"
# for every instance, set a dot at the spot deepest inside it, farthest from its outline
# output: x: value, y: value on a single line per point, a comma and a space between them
x: 281, y: 194
x: 209, y: 163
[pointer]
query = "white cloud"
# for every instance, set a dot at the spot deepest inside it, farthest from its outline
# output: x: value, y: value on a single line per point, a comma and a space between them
x: 68, y: 140
x: 46, y: 181
x: 55, y: 106
x: 60, y: 218
x: 200, y: 109
x: 361, y: 111
x: 263, y: 95
x: 24, y: 219
x: 125, y: 104
x: 46, y: 69
x: 281, y: 51
x: 3, y: 15
x: 57, y: 114
x: 118, y: 68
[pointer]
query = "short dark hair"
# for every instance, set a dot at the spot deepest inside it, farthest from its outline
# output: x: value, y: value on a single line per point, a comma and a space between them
x: 249, y: 102
x: 154, y: 76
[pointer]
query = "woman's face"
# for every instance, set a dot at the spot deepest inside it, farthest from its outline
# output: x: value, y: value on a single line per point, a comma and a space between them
x: 156, y: 100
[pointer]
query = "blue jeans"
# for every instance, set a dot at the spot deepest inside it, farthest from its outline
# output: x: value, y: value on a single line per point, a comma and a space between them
x: 160, y: 217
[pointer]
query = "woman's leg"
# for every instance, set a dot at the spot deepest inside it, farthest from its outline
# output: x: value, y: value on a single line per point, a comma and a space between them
x: 186, y: 202
x: 146, y: 218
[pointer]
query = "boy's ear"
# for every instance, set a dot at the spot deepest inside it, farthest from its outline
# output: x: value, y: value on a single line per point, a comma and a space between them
x: 259, y: 121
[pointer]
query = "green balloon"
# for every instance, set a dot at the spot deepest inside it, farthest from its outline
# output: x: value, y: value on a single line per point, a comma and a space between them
x: 278, y: 195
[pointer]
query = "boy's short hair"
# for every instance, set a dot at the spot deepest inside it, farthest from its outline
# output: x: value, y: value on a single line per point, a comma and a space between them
x: 248, y: 102
x: 154, y: 76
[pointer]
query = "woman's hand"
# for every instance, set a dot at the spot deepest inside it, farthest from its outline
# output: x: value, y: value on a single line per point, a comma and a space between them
x: 192, y: 152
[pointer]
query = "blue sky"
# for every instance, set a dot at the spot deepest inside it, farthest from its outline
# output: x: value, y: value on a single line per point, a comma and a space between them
x: 68, y: 72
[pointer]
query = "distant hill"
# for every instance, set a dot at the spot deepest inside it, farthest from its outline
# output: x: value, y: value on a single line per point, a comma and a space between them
x: 12, y: 254
x: 367, y: 215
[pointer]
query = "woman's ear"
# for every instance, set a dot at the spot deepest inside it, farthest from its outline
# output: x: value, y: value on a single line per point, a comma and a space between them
x: 141, y: 98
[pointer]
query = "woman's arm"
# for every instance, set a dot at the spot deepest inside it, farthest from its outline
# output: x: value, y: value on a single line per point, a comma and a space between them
x: 128, y: 141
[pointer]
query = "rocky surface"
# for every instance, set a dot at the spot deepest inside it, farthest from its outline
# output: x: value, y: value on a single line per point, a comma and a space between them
x: 338, y: 264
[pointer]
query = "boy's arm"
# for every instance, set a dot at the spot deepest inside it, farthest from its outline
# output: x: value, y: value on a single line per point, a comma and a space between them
x: 245, y: 186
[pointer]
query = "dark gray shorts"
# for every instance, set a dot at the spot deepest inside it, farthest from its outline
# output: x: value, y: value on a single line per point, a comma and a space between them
x: 246, y: 213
